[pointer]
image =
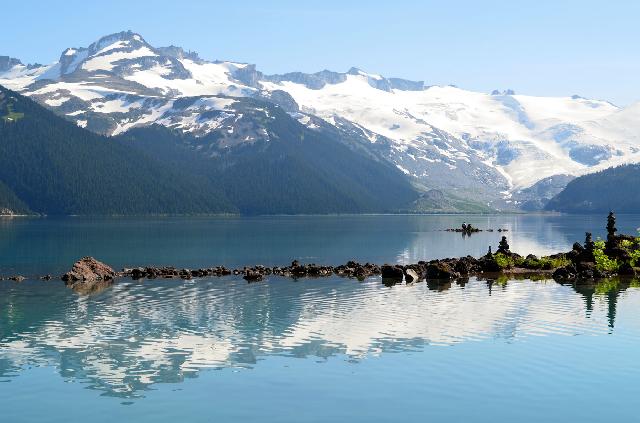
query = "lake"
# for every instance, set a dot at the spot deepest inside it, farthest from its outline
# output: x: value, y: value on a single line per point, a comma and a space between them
x: 309, y: 350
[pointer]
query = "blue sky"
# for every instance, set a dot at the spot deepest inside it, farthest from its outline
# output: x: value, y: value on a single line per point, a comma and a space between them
x: 591, y: 48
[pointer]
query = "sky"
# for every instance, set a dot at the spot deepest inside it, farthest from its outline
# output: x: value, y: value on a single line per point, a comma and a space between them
x: 555, y: 48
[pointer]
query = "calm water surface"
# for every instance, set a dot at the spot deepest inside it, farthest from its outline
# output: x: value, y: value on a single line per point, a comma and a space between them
x: 309, y: 350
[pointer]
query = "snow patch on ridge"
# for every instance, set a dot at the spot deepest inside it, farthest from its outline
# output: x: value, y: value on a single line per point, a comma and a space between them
x: 107, y: 62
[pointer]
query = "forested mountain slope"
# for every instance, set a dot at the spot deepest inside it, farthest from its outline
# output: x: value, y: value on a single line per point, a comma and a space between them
x: 616, y: 189
x: 51, y: 166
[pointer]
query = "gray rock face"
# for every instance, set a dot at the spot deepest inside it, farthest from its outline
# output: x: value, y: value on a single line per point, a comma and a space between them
x: 282, y: 99
x: 589, y: 155
x: 248, y: 75
x: 406, y: 85
x: 7, y: 63
x: 70, y: 59
x: 503, y: 92
x: 318, y: 80
x: 379, y: 83
x: 134, y: 41
x: 313, y: 81
x: 179, y: 53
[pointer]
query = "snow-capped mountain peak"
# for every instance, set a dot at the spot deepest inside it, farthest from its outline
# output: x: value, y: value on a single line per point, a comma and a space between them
x: 118, y: 40
x: 487, y: 145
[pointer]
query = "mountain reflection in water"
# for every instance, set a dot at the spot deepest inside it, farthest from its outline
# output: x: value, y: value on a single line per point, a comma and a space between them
x: 132, y: 335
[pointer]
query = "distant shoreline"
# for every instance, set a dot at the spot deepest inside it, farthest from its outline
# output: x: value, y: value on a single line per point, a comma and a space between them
x: 497, y: 213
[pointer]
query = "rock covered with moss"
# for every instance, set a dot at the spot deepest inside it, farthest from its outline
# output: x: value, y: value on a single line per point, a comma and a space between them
x: 618, y: 255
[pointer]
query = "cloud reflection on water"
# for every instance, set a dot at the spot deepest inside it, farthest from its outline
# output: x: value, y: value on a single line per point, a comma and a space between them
x: 133, y: 335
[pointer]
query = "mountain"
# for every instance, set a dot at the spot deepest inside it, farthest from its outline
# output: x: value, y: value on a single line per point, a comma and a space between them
x: 538, y: 195
x: 488, y: 149
x: 616, y: 189
x: 51, y: 166
x: 292, y: 170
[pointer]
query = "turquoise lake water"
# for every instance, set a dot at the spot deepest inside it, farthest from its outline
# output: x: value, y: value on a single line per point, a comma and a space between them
x: 311, y: 350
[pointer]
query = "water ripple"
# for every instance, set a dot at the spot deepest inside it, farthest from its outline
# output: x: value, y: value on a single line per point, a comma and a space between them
x: 136, y: 334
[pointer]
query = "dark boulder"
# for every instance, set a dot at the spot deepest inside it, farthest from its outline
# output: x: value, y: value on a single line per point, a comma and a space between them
x: 564, y: 273
x: 489, y: 264
x: 587, y: 270
x: 137, y: 273
x: 441, y: 270
x: 626, y: 270
x: 392, y: 272
x: 462, y: 266
x: 252, y: 276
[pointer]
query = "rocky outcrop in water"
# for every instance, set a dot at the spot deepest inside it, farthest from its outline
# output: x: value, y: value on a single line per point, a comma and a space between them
x: 618, y: 256
x: 88, y: 269
x: 468, y: 229
x: 89, y: 274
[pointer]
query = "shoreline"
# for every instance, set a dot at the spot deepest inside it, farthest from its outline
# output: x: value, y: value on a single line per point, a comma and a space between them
x: 235, y: 215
